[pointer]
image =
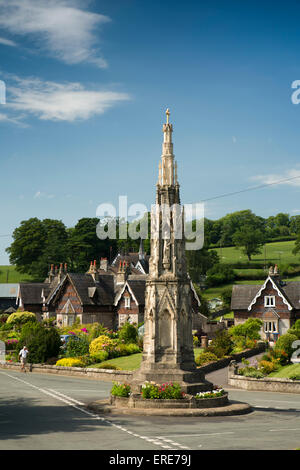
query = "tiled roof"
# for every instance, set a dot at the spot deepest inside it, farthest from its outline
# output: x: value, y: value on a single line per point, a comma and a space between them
x: 31, y: 292
x: 138, y: 288
x: 242, y: 295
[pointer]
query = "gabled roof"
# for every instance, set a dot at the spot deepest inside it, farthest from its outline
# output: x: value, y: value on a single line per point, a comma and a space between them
x: 136, y: 288
x: 277, y: 287
x: 31, y: 292
x: 244, y: 296
x: 143, y: 265
x: 103, y: 288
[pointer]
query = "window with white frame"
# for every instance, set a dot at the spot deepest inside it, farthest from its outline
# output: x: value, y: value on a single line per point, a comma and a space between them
x: 270, y: 327
x: 270, y: 301
x: 127, y: 302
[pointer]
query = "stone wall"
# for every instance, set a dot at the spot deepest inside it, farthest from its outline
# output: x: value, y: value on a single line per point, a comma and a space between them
x: 107, y: 375
x: 272, y: 384
x: 220, y: 364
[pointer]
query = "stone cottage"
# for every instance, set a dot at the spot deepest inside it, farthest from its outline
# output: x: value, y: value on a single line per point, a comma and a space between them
x: 276, y: 303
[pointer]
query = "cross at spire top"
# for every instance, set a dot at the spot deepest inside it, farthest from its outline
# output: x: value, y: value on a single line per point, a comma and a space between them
x: 168, y: 114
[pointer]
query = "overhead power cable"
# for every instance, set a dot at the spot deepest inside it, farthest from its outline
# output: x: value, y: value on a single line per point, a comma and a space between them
x: 252, y: 188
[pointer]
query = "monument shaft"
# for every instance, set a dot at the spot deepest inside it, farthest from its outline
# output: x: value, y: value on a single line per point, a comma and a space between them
x: 168, y: 354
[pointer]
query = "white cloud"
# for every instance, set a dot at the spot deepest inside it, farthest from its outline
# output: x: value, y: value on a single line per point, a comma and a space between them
x: 12, y: 120
x: 7, y: 42
x: 61, y: 27
x: 40, y: 194
x: 289, y: 177
x: 58, y: 101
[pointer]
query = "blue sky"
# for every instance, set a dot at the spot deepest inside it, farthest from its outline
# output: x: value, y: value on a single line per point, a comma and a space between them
x: 87, y: 85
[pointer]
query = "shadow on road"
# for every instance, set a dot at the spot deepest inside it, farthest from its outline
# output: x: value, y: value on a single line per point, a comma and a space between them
x: 23, y: 417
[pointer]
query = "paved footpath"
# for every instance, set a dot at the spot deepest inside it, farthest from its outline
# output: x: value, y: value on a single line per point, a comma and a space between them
x: 40, y: 411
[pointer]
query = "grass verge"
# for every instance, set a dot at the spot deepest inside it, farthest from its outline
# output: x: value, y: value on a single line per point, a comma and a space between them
x: 286, y: 371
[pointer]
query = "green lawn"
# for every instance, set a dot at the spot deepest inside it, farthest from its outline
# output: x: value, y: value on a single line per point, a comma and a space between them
x: 132, y: 362
x: 11, y: 275
x: 286, y: 371
x: 277, y: 253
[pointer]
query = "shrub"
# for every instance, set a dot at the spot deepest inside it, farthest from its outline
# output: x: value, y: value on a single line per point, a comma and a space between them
x: 196, y: 342
x: 205, y: 358
x: 101, y: 356
x: 11, y: 344
x: 77, y: 346
x: 3, y: 317
x: 249, y: 329
x: 95, y: 330
x: 107, y: 365
x: 267, y: 367
x: 221, y: 345
x: 254, y: 373
x: 284, y: 344
x: 20, y: 318
x: 120, y: 390
x: 99, y: 344
x: 295, y: 330
x: 70, y: 362
x: 132, y: 348
x: 166, y: 391
x: 128, y: 333
x: 41, y: 342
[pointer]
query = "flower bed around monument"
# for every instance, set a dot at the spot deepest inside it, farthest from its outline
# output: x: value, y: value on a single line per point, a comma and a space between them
x: 166, y: 391
x: 167, y: 395
x: 217, y: 392
x: 120, y: 390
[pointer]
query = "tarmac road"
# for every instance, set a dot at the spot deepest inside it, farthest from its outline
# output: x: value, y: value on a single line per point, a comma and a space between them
x: 47, y: 412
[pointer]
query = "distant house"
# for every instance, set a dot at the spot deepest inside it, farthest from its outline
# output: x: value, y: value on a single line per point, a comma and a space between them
x: 130, y: 302
x: 215, y: 303
x: 82, y: 296
x: 276, y: 303
x: 8, y: 296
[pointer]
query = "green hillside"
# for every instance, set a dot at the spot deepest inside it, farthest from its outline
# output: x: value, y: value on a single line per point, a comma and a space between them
x: 276, y: 253
x: 11, y: 275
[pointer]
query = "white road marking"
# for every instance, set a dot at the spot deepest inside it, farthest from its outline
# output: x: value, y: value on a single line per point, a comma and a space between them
x: 66, y: 397
x: 196, y: 435
x: 71, y: 402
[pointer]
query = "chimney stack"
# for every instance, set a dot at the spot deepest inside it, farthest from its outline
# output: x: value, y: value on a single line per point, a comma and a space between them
x: 104, y: 264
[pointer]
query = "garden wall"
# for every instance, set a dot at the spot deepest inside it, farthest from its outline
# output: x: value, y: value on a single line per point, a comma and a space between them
x: 272, y: 384
x: 212, y: 366
x: 107, y: 375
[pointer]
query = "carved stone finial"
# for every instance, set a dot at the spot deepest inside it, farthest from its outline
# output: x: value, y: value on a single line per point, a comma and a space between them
x: 168, y: 114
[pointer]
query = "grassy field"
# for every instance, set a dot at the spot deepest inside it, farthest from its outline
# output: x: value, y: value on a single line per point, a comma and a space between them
x: 277, y: 253
x: 132, y: 362
x: 286, y: 371
x: 11, y: 275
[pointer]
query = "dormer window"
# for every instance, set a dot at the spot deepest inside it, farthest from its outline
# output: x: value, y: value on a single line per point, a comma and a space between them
x: 127, y: 302
x: 270, y: 301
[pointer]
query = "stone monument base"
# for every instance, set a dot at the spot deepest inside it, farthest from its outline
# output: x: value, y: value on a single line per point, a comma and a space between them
x: 191, y: 381
x: 188, y: 406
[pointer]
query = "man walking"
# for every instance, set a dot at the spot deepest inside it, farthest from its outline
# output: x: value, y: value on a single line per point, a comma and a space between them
x: 23, y: 356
